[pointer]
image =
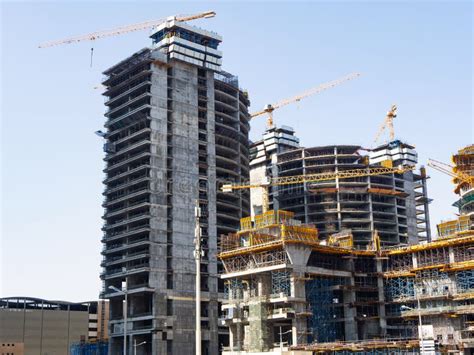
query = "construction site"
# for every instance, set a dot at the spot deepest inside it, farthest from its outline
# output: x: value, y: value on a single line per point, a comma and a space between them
x: 292, y: 289
x: 215, y: 244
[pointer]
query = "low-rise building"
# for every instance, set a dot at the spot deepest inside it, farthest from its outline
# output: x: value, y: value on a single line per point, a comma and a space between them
x: 38, y: 326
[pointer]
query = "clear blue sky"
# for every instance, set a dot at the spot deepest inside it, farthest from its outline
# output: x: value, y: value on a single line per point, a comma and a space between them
x: 418, y: 55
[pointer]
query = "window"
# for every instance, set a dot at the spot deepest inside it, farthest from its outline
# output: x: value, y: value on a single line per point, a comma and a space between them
x: 169, y: 307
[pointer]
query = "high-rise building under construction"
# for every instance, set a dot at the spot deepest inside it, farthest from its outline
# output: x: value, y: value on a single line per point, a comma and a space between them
x: 176, y: 125
x: 394, y: 205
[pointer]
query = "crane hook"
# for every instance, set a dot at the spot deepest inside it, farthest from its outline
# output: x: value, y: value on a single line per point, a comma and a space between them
x: 92, y: 54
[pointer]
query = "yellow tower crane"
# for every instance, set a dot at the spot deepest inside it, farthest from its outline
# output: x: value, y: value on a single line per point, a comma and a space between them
x: 126, y: 29
x: 268, y: 109
x: 458, y: 176
x: 298, y: 179
x: 388, y: 124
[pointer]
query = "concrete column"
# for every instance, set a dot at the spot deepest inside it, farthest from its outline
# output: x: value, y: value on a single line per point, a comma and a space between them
x: 232, y: 343
x: 305, y: 188
x: 338, y: 198
x: 451, y: 255
x: 381, y: 298
x: 415, y: 260
x: 299, y: 323
x: 350, y: 312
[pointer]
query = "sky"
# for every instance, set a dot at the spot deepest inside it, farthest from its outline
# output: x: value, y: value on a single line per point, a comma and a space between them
x: 415, y: 54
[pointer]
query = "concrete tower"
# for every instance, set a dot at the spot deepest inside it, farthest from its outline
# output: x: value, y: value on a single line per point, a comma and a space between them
x: 176, y: 126
x: 263, y: 158
x: 394, y: 205
x: 391, y: 204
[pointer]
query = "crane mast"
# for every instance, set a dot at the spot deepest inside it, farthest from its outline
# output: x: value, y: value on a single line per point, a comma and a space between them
x: 388, y: 124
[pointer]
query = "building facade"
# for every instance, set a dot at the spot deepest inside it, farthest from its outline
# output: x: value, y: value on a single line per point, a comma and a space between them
x: 99, y: 321
x: 394, y: 205
x: 263, y: 158
x: 177, y: 126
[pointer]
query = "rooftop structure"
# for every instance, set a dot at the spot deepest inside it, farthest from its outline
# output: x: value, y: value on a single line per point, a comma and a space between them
x: 189, y: 44
x: 398, y: 152
x: 177, y: 126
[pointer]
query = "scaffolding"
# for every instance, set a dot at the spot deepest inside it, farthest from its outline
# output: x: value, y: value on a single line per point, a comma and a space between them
x: 432, y: 283
x: 465, y: 281
x: 244, y: 262
x: 452, y: 228
x: 400, y: 262
x: 398, y: 289
x: 463, y: 253
x: 430, y: 257
x: 322, y: 303
x: 281, y: 283
x: 234, y: 289
x: 238, y: 263
x: 100, y: 348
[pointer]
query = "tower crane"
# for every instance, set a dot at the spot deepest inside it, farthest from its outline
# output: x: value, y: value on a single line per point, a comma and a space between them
x: 126, y: 29
x: 268, y: 109
x: 388, y: 124
x: 298, y: 179
x: 449, y: 170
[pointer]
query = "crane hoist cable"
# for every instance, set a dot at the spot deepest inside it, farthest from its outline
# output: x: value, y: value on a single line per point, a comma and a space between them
x: 268, y: 109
